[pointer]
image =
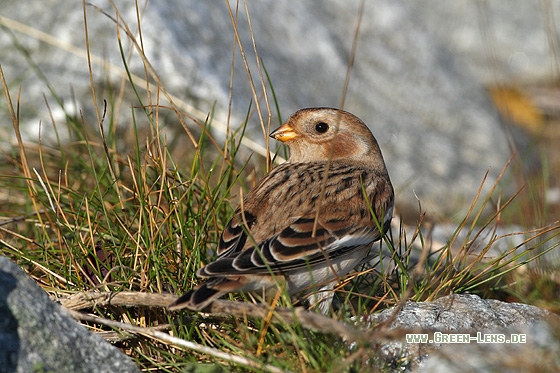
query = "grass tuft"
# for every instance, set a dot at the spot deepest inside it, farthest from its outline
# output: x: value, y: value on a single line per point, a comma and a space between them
x: 110, y: 217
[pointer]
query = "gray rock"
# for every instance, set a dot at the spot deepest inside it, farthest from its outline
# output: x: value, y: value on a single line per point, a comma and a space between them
x: 540, y: 353
x: 457, y: 314
x: 500, y: 41
x: 37, y: 335
x: 434, y: 122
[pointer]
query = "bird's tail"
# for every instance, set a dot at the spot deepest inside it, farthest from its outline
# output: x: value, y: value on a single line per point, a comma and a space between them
x: 196, y: 299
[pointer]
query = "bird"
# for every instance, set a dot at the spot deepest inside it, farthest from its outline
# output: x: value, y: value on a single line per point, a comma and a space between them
x: 310, y: 221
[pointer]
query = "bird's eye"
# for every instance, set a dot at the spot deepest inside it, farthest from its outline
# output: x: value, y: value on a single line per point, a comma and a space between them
x: 321, y: 127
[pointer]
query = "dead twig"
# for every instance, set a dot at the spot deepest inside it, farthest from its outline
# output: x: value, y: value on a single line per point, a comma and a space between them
x: 169, y: 339
x: 282, y: 315
x: 308, y: 320
x: 83, y: 300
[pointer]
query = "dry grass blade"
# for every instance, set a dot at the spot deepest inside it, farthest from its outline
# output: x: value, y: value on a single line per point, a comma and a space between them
x: 306, y: 319
x: 467, y: 266
x: 168, y: 339
x: 265, y: 128
x: 116, y: 217
x: 15, y: 122
x: 120, y: 72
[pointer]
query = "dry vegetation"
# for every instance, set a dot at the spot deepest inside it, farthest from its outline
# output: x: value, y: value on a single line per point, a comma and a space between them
x: 114, y: 221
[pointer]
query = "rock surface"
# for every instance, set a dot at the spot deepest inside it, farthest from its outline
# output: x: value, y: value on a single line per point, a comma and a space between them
x: 434, y: 122
x: 37, y: 335
x: 500, y: 41
x: 468, y: 314
x: 541, y: 353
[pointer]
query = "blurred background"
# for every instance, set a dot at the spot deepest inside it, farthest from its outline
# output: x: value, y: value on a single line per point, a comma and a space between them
x: 451, y: 89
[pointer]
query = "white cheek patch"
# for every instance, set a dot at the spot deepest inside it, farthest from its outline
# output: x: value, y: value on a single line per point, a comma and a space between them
x: 362, y: 147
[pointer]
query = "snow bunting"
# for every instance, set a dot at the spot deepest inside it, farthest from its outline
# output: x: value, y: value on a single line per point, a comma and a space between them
x: 309, y: 221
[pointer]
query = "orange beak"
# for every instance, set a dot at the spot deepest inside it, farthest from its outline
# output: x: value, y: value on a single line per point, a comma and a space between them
x: 284, y: 133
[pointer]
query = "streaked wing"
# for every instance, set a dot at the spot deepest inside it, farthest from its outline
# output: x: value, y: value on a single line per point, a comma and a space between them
x: 294, y: 247
x: 234, y: 237
x: 266, y: 236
